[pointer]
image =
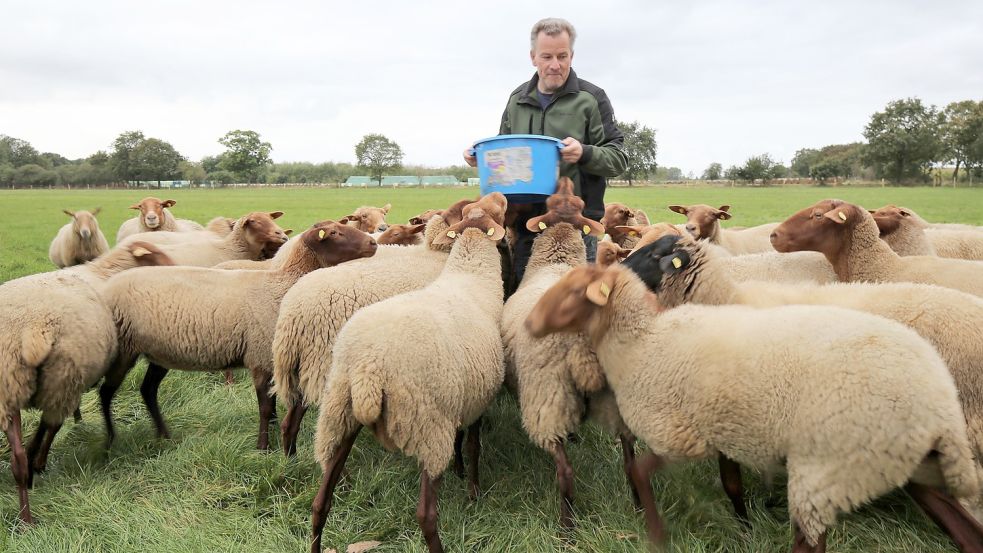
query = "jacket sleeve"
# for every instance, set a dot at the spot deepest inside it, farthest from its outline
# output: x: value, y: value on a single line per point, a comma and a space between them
x: 604, y: 155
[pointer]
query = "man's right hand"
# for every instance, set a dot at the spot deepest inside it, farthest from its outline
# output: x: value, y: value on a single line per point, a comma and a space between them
x: 470, y: 159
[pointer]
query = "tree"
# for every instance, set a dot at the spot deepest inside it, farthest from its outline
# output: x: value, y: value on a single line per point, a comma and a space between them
x: 713, y: 171
x: 640, y: 148
x: 35, y: 174
x: 154, y: 159
x: 17, y: 152
x: 376, y: 153
x: 191, y: 171
x: 246, y: 155
x: 803, y: 160
x: 121, y: 158
x: 962, y: 126
x: 902, y: 140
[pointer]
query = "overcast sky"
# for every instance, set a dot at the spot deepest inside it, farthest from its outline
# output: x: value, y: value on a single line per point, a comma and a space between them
x: 719, y: 81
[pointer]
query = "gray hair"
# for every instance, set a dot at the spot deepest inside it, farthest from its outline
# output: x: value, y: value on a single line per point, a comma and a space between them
x: 552, y: 26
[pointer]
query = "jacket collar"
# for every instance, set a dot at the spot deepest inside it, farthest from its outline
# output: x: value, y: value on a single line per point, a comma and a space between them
x: 569, y: 87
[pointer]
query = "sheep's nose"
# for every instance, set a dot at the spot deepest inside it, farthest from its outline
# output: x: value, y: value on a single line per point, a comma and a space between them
x: 372, y: 242
x: 383, y: 226
x: 86, y: 233
x: 773, y: 237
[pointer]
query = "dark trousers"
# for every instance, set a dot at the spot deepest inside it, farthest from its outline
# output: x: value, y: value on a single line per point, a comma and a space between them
x: 523, y: 243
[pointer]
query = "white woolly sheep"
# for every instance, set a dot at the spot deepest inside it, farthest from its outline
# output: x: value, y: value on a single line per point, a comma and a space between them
x: 417, y: 367
x: 862, y: 406
x: 154, y: 216
x: 848, y: 236
x: 703, y: 223
x: 557, y: 378
x: 78, y: 241
x: 221, y: 226
x: 316, y: 308
x: 197, y: 319
x: 368, y: 219
x: 255, y: 236
x: 909, y: 234
x: 59, y: 340
x: 402, y: 235
x: 950, y: 320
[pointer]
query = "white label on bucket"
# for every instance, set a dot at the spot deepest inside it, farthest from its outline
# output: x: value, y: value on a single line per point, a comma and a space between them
x: 507, y: 165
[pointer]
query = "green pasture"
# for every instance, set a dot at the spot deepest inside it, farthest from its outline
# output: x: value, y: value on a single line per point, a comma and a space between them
x: 208, y: 489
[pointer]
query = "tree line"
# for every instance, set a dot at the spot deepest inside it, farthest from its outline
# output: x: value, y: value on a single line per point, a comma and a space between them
x: 907, y: 142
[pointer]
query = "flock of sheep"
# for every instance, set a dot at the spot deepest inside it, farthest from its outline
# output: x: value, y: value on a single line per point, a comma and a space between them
x: 851, y: 358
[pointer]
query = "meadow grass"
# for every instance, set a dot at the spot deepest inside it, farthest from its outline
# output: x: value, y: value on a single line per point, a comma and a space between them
x: 208, y: 489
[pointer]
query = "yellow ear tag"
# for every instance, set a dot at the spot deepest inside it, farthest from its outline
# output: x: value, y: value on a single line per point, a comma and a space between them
x: 542, y: 225
x: 842, y: 216
x: 491, y: 232
x: 632, y: 233
x: 140, y: 252
x: 451, y: 234
x: 676, y: 262
x: 586, y: 229
x: 320, y: 234
x: 605, y: 289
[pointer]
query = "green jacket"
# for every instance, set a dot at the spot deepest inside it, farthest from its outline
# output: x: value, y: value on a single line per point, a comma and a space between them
x: 583, y: 111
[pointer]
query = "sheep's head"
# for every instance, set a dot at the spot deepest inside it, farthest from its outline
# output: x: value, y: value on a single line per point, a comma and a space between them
x: 262, y: 234
x: 335, y: 243
x: 152, y: 211
x: 84, y: 223
x: 221, y: 226
x: 702, y: 221
x: 424, y: 217
x: 823, y: 227
x: 658, y: 258
x: 148, y: 255
x: 890, y: 218
x: 402, y: 235
x: 455, y: 213
x: 487, y: 214
x: 569, y: 304
x: 564, y: 207
x: 615, y: 215
x: 368, y: 218
x: 651, y: 233
x: 609, y: 253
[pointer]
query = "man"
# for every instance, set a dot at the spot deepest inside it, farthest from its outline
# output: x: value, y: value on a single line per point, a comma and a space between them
x: 557, y: 103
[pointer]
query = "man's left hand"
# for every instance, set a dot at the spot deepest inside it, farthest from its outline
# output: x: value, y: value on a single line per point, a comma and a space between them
x: 572, y: 150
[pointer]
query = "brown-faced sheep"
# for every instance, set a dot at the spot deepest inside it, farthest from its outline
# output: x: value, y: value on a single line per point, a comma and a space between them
x: 79, y: 241
x: 703, y: 223
x: 368, y: 219
x: 154, y: 216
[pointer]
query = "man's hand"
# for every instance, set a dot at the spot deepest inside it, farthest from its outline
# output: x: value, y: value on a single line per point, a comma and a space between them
x: 572, y: 150
x: 470, y: 159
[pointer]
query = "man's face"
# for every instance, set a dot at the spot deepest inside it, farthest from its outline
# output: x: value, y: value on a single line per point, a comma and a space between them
x: 552, y: 57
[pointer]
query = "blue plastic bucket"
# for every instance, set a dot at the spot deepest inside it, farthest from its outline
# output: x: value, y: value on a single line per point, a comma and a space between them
x: 524, y: 167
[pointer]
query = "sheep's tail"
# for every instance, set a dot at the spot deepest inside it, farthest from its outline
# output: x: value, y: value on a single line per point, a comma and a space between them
x: 286, y: 367
x: 20, y: 357
x: 959, y: 469
x: 35, y: 346
x: 367, y: 392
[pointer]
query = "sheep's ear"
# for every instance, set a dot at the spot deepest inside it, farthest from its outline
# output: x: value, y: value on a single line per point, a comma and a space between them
x: 838, y: 215
x: 538, y: 224
x: 418, y: 228
x: 96, y: 211
x: 681, y: 209
x: 591, y: 227
x: 135, y: 206
x: 168, y: 203
x: 632, y: 230
x: 724, y: 208
x: 872, y: 211
x: 276, y: 214
x: 288, y: 231
x: 386, y: 208
x: 445, y: 238
x: 630, y: 212
x: 674, y: 263
x: 722, y: 213
x: 623, y: 253
x: 69, y: 213
x: 599, y: 291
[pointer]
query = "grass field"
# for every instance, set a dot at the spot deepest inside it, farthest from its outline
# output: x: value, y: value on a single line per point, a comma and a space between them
x: 208, y: 489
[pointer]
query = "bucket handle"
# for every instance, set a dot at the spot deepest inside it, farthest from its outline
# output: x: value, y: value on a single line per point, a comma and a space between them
x: 472, y: 152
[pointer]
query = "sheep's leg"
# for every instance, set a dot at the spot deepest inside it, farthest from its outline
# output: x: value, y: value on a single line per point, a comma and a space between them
x: 267, y: 404
x: 641, y: 474
x: 474, y: 451
x: 628, y: 454
x: 148, y: 389
x: 325, y: 494
x: 730, y: 477
x: 77, y: 415
x: 290, y: 427
x: 37, y: 455
x: 110, y: 384
x: 19, y: 466
x: 458, y: 455
x: 229, y: 378
x: 32, y: 451
x: 564, y: 481
x: 426, y: 512
x: 801, y: 545
x: 949, y: 516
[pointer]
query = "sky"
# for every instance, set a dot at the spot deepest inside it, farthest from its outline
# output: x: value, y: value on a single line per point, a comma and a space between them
x: 718, y: 81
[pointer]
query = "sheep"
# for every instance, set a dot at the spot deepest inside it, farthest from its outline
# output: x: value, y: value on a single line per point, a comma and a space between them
x: 557, y: 378
x: 618, y: 214
x: 154, y: 216
x: 950, y: 320
x: 254, y: 237
x: 402, y: 235
x: 221, y: 226
x: 59, y: 340
x: 909, y: 234
x: 808, y: 267
x: 848, y: 236
x: 315, y: 309
x: 368, y: 219
x: 942, y: 226
x: 417, y: 367
x: 703, y: 222
x: 853, y: 405
x: 198, y: 319
x: 78, y: 241
x: 609, y: 253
